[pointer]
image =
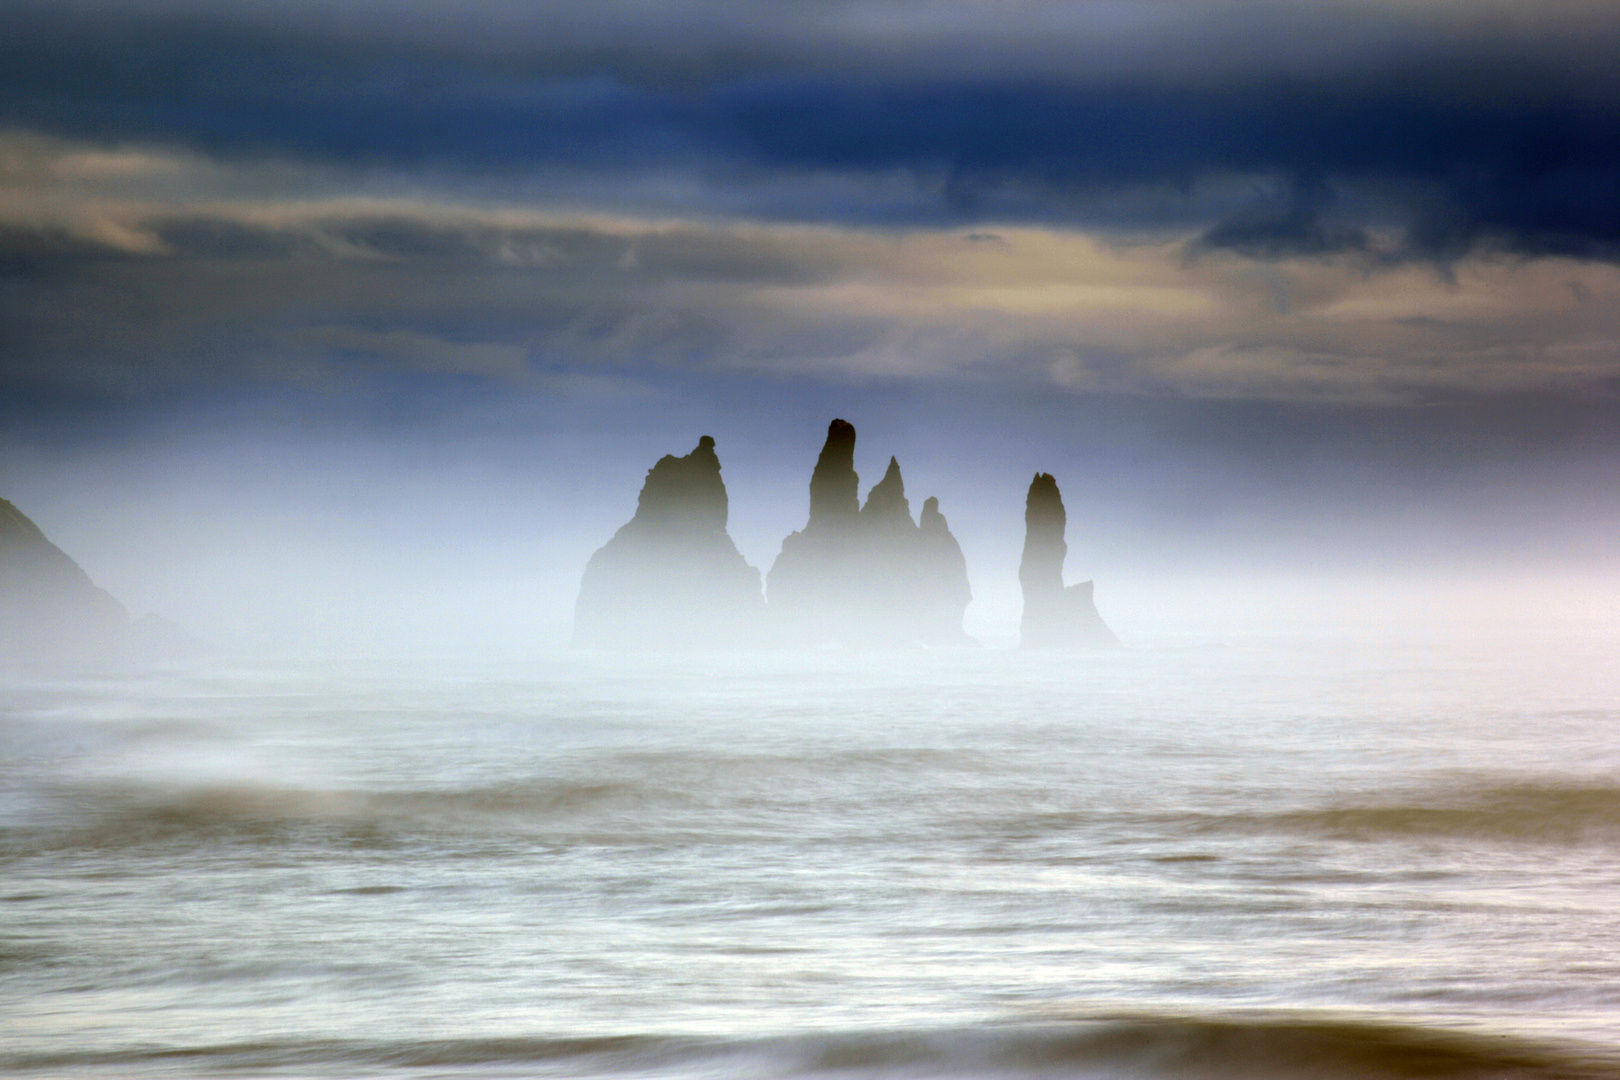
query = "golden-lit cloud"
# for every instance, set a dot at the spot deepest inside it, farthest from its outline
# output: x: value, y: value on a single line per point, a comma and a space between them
x: 333, y: 263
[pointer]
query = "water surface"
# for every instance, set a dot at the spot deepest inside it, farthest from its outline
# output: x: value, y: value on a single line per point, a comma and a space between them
x: 1302, y: 860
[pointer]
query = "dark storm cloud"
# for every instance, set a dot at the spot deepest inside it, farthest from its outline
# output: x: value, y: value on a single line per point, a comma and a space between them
x: 1443, y: 135
x: 1533, y: 176
x: 701, y: 41
x: 1294, y: 201
x: 338, y: 296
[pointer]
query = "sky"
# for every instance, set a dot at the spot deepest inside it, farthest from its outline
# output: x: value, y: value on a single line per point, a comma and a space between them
x: 319, y: 319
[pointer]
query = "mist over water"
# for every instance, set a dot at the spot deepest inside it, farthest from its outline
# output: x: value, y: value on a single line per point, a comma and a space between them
x: 1292, y: 858
x: 1338, y: 808
x: 442, y: 545
x: 337, y: 340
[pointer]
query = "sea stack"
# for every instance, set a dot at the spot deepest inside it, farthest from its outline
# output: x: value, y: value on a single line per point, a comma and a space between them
x: 671, y: 578
x: 50, y: 610
x: 1054, y: 615
x: 867, y: 575
x: 943, y: 592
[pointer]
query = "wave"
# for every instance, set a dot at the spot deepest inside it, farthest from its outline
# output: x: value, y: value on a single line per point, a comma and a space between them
x: 1139, y: 1047
x: 636, y: 796
x: 122, y: 816
x: 652, y: 796
x: 1544, y: 812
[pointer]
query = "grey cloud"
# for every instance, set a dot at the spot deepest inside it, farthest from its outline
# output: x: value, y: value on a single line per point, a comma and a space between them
x: 216, y: 238
x: 341, y: 290
x: 1486, y: 130
x: 708, y: 39
x: 46, y: 251
x: 648, y: 252
x: 329, y: 300
x: 1300, y: 223
x: 423, y: 352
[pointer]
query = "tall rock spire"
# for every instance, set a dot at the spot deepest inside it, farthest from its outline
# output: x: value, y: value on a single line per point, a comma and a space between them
x: 1054, y: 615
x: 866, y: 575
x: 944, y: 592
x: 835, y: 487
x: 886, y: 504
x: 812, y: 588
x: 1040, y: 572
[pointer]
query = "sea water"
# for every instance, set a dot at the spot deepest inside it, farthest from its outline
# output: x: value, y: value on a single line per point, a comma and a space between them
x: 1302, y: 859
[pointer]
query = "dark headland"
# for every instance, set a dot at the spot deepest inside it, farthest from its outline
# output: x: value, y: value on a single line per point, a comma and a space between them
x: 52, y: 614
x: 866, y: 576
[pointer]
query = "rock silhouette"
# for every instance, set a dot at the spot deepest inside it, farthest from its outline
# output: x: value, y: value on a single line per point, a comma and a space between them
x: 1054, y: 615
x: 50, y: 610
x: 53, y: 616
x: 859, y: 575
x: 866, y: 575
x: 944, y: 592
x: 835, y: 487
x: 671, y: 577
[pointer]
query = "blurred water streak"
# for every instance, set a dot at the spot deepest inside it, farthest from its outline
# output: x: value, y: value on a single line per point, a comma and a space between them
x: 1307, y: 859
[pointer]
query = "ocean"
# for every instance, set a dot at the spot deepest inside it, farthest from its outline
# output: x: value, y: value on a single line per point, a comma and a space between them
x: 1282, y: 859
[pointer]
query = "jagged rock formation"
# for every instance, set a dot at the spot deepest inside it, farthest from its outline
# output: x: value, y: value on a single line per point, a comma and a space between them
x: 867, y: 575
x: 942, y: 573
x: 812, y: 585
x: 671, y: 577
x: 50, y: 610
x: 1054, y: 615
x: 835, y: 487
